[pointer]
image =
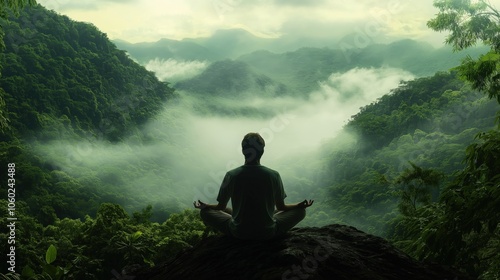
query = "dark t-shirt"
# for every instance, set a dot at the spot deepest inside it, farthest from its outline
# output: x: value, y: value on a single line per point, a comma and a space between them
x: 253, y: 190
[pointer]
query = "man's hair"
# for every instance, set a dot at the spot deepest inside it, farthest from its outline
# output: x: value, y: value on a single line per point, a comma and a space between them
x: 253, y: 146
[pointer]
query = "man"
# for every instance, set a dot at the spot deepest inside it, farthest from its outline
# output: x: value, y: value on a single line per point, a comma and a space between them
x: 255, y: 191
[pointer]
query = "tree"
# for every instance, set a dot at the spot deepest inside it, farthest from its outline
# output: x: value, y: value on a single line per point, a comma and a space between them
x: 467, y: 232
x: 5, y: 6
x: 471, y: 210
x: 416, y: 184
x: 14, y: 6
x: 470, y: 22
x: 133, y: 248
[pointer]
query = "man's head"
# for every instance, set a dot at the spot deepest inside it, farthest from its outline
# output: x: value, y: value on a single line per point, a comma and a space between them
x: 252, y: 147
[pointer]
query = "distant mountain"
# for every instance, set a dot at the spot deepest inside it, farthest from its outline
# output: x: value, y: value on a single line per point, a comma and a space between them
x: 302, y: 69
x: 232, y: 79
x: 285, y: 59
x: 231, y: 43
x: 420, y: 58
x: 217, y: 88
x: 223, y: 44
x: 168, y: 49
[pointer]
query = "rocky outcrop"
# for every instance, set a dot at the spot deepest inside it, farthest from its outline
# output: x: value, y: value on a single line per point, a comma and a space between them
x: 330, y: 252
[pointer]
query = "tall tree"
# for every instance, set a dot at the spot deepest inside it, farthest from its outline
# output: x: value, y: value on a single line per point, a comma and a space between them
x: 470, y: 22
x: 468, y: 232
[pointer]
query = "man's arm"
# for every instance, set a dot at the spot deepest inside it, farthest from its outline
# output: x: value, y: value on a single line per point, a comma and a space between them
x: 202, y: 205
x: 222, y: 198
x: 281, y: 206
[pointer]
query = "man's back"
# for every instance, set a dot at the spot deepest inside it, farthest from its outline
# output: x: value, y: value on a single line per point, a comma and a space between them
x: 253, y: 190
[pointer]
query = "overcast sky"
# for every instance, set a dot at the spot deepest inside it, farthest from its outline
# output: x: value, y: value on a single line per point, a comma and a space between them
x: 150, y: 20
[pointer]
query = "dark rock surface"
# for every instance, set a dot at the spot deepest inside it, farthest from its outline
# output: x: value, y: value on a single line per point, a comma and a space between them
x: 330, y: 252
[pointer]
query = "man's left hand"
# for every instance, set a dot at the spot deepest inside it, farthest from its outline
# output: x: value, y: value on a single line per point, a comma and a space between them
x: 200, y: 205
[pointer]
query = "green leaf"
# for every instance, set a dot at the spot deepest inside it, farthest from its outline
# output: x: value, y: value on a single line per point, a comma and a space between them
x: 50, y: 270
x: 27, y: 272
x: 50, y: 255
x: 136, y: 235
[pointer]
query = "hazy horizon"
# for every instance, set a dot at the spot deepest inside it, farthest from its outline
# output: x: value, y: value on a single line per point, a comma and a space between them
x: 329, y: 21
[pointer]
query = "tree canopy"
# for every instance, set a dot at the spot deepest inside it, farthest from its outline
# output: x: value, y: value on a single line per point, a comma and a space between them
x: 470, y: 22
x: 6, y: 6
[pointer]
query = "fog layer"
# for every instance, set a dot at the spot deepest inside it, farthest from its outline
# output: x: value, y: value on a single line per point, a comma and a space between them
x: 172, y: 70
x: 183, y: 154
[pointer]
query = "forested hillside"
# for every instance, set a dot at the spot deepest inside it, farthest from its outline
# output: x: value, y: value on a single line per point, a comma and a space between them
x: 394, y: 168
x: 59, y: 70
x: 64, y: 79
x: 428, y: 122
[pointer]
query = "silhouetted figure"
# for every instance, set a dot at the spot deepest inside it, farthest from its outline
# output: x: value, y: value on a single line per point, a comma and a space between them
x: 255, y: 192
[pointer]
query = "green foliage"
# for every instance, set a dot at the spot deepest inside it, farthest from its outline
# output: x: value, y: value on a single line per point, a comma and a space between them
x: 49, y: 271
x: 133, y: 248
x: 6, y: 6
x: 92, y: 89
x: 462, y: 229
x: 180, y: 231
x: 14, y: 6
x: 65, y: 80
x: 470, y: 22
x: 143, y: 217
x: 472, y: 201
x: 93, y: 248
x: 95, y: 91
x: 416, y: 184
x: 428, y: 121
x: 413, y: 105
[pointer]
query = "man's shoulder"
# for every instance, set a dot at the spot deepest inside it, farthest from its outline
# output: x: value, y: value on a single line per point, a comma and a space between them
x: 261, y: 168
x: 258, y: 167
x: 269, y: 170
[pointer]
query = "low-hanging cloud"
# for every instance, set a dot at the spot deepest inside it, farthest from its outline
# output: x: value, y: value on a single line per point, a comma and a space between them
x: 172, y: 70
x: 187, y: 153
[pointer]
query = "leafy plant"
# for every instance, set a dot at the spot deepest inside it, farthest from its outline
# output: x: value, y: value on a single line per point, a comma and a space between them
x: 133, y: 248
x: 416, y: 184
x: 49, y: 271
x: 469, y: 22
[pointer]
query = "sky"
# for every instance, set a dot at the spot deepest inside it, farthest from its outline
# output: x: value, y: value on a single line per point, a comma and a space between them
x: 150, y: 20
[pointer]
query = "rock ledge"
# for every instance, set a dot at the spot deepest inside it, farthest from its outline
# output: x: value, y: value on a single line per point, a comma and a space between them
x: 330, y: 252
